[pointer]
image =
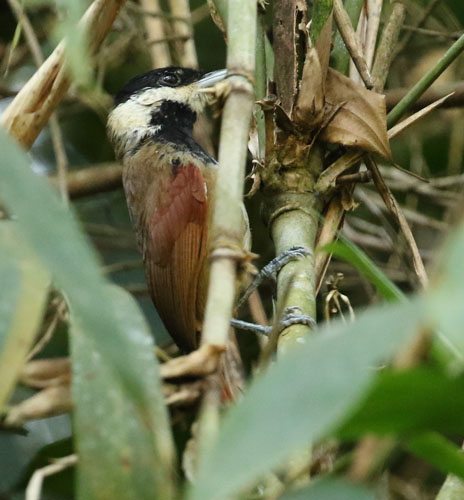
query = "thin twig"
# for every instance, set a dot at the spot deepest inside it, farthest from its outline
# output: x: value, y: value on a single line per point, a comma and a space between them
x: 90, y: 180
x: 155, y: 29
x: 420, y: 22
x: 168, y: 38
x: 396, y: 211
x: 425, y: 82
x: 151, y: 13
x: 352, y: 42
x: 388, y: 41
x: 454, y: 90
x: 187, y: 53
x: 444, y: 34
x: 374, y: 10
x: 34, y: 487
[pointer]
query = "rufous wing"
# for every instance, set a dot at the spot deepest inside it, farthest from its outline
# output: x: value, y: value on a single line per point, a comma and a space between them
x: 175, y: 245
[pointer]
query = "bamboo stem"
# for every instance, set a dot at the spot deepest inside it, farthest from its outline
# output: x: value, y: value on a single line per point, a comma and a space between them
x: 384, y: 55
x: 154, y: 27
x: 425, y: 82
x: 187, y: 53
x: 352, y: 42
x: 227, y: 227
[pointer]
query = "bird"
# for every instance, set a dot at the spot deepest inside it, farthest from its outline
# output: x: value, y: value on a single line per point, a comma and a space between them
x: 169, y: 182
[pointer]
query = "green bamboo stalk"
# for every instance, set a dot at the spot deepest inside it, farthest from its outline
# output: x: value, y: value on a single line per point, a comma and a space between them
x: 388, y: 42
x: 227, y: 227
x: 340, y: 57
x: 292, y: 210
x: 260, y: 84
x: 425, y: 82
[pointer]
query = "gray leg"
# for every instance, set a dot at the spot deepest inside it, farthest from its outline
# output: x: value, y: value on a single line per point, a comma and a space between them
x: 271, y: 270
x: 289, y: 318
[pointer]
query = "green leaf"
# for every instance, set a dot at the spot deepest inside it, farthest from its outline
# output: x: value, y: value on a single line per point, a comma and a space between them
x: 299, y: 399
x: 330, y: 489
x: 23, y: 294
x: 53, y: 232
x: 69, y: 29
x: 117, y: 456
x: 350, y: 252
x: 412, y: 401
x: 444, y: 305
x: 438, y: 451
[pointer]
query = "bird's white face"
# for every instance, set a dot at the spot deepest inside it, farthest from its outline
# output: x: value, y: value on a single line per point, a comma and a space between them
x: 131, y: 118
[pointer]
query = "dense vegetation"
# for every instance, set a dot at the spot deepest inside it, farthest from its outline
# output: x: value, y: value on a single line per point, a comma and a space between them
x: 370, y: 404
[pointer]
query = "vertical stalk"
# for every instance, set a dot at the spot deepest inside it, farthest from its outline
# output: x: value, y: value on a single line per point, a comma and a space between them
x: 186, y: 52
x: 154, y: 27
x: 340, y: 56
x: 260, y: 85
x: 292, y: 206
x: 227, y: 227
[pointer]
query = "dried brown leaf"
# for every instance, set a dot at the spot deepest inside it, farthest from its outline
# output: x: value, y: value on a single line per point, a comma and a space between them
x: 310, y: 103
x: 361, y: 121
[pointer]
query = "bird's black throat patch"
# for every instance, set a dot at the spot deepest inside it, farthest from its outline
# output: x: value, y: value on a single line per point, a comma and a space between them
x: 172, y: 114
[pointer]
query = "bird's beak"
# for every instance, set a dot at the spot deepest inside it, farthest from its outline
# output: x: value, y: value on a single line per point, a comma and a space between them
x: 210, y: 79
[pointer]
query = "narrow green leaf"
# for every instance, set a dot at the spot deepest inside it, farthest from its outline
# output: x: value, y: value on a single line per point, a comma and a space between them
x: 350, y: 252
x: 444, y: 305
x: 438, y: 451
x: 61, y: 247
x: 69, y: 29
x: 23, y: 293
x: 117, y: 458
x: 414, y: 401
x: 304, y: 395
x: 330, y: 489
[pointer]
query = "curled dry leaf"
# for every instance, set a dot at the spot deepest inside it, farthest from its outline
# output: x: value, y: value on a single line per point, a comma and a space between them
x: 309, y: 109
x: 361, y: 121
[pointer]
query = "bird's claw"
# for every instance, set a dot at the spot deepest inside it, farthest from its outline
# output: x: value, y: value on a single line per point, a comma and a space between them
x: 271, y: 270
x: 290, y: 317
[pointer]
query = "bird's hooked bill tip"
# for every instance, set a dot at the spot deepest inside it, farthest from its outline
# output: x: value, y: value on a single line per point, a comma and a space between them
x: 210, y: 79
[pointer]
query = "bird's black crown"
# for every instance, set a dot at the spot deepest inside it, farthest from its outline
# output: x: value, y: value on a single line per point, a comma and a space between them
x: 172, y: 76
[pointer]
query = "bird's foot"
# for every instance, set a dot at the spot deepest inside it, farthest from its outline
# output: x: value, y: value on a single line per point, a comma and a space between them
x: 294, y: 316
x: 290, y: 317
x: 271, y: 270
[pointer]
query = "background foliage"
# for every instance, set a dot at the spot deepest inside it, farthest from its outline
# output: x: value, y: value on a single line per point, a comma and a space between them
x: 332, y: 392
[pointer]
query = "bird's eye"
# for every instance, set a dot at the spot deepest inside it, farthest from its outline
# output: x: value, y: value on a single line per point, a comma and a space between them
x: 170, y: 80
